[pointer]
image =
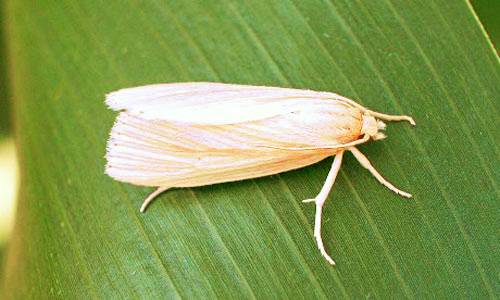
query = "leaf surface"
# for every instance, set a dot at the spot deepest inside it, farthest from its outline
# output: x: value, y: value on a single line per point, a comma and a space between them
x: 80, y: 234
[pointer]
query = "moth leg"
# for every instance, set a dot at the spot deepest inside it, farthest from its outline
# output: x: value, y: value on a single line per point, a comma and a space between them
x: 391, y: 117
x: 320, y: 200
x: 151, y: 197
x: 363, y: 160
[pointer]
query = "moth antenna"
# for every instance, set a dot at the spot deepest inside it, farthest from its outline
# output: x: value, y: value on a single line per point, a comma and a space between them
x: 391, y: 117
x: 151, y: 197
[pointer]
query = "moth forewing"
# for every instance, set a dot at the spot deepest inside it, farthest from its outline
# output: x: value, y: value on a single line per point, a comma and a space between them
x: 198, y: 133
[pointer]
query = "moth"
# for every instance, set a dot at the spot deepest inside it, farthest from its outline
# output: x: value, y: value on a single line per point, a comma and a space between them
x: 200, y: 133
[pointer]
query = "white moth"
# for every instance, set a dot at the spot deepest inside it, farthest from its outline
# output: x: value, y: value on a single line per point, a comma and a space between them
x: 200, y: 133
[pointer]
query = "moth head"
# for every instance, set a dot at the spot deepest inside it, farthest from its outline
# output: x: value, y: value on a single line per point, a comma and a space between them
x: 372, y: 127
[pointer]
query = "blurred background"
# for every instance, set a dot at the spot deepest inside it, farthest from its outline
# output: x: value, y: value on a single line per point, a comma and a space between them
x: 487, y: 11
x: 8, y: 162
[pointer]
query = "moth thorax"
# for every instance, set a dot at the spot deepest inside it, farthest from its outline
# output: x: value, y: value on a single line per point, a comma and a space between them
x: 372, y: 127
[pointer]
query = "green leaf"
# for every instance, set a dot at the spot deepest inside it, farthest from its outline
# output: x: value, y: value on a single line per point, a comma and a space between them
x: 487, y: 12
x: 79, y: 234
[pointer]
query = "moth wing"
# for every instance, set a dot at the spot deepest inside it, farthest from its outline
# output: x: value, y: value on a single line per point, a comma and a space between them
x: 214, y: 103
x: 162, y: 153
